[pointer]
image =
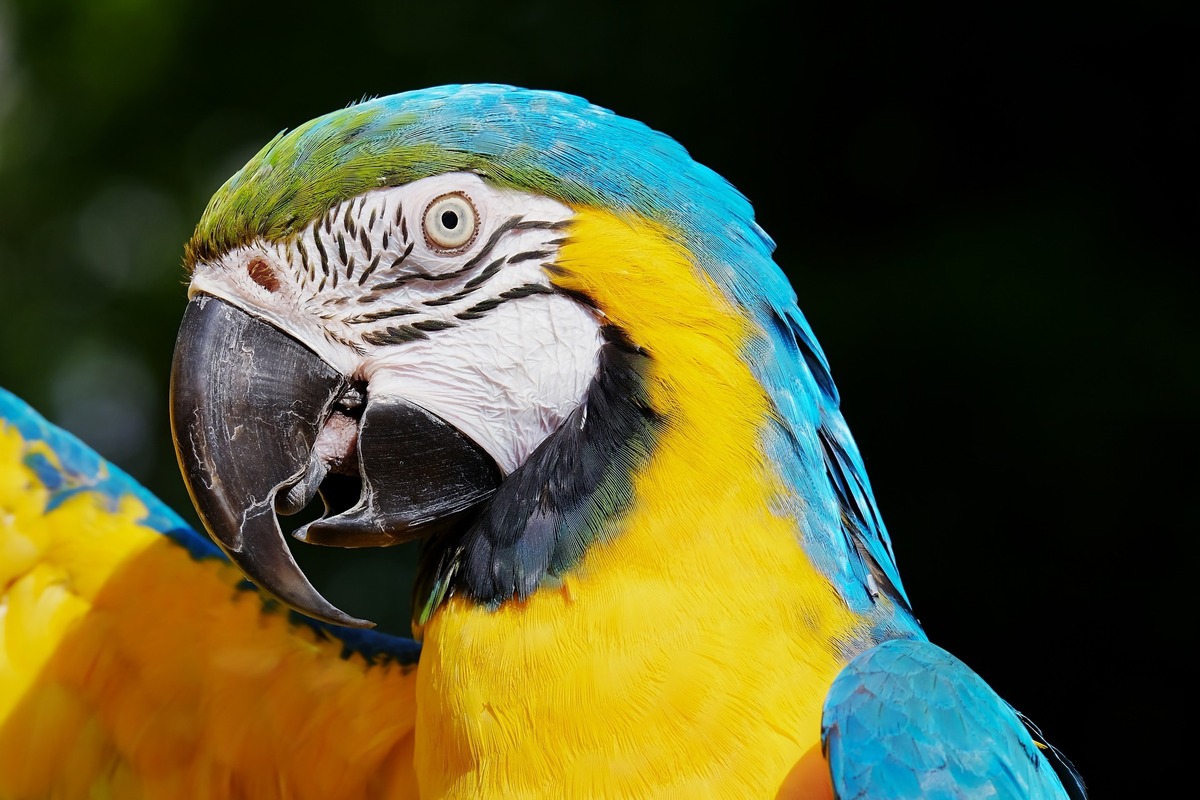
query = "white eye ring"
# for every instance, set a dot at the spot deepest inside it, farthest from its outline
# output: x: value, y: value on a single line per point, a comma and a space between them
x: 451, y: 221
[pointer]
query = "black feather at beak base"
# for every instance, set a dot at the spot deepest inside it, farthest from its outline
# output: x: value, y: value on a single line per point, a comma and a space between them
x: 248, y: 405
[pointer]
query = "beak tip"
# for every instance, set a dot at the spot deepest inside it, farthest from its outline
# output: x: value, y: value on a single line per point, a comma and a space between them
x: 345, y: 620
x: 299, y: 595
x: 327, y: 612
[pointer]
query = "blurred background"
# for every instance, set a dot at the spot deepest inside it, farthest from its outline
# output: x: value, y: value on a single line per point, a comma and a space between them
x: 990, y: 220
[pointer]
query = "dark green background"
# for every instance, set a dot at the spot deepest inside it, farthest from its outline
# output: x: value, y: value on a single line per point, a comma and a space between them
x: 990, y: 220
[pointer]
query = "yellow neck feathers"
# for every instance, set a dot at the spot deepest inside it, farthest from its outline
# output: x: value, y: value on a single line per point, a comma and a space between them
x: 688, y: 652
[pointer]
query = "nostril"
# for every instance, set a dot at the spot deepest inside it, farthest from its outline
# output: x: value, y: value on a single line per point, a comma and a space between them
x: 261, y: 273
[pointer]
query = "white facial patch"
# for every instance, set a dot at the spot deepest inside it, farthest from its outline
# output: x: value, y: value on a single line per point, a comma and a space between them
x: 435, y: 292
x: 508, y: 381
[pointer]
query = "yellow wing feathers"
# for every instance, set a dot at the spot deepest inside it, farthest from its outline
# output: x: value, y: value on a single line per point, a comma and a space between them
x: 129, y: 669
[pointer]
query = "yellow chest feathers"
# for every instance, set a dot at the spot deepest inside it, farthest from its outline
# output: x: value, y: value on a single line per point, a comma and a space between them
x: 687, y: 654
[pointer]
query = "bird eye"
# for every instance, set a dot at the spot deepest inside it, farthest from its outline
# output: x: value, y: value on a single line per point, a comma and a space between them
x: 450, y: 221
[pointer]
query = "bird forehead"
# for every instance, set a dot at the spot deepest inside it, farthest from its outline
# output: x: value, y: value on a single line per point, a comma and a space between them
x: 556, y: 144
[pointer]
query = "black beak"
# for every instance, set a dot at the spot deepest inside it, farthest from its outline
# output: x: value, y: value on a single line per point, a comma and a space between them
x: 261, y: 424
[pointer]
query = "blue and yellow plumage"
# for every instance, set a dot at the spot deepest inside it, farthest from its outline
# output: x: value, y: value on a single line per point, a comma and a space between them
x: 135, y: 661
x: 661, y: 571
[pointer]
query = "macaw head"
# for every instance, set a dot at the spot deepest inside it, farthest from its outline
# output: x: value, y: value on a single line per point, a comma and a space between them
x: 446, y: 313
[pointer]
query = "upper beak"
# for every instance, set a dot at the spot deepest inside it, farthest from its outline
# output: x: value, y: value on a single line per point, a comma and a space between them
x: 260, y: 423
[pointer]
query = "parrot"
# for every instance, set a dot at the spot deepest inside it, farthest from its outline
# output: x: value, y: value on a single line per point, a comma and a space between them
x: 538, y: 338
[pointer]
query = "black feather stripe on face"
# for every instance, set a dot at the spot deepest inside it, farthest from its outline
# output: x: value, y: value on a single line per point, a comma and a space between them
x: 551, y: 508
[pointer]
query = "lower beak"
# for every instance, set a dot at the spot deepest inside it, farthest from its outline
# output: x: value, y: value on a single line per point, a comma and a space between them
x: 261, y: 424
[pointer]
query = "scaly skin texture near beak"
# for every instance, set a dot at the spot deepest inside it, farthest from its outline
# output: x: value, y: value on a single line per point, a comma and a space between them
x: 247, y: 404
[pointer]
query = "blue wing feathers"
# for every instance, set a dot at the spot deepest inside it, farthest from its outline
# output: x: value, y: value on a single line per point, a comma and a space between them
x: 906, y: 719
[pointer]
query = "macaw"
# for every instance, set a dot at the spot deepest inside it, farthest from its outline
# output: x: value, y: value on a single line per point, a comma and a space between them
x: 543, y: 340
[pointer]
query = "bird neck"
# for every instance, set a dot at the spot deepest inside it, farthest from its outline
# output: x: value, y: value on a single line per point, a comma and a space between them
x: 626, y: 660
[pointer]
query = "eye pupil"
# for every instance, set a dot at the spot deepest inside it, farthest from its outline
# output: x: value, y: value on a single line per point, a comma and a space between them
x: 451, y: 221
